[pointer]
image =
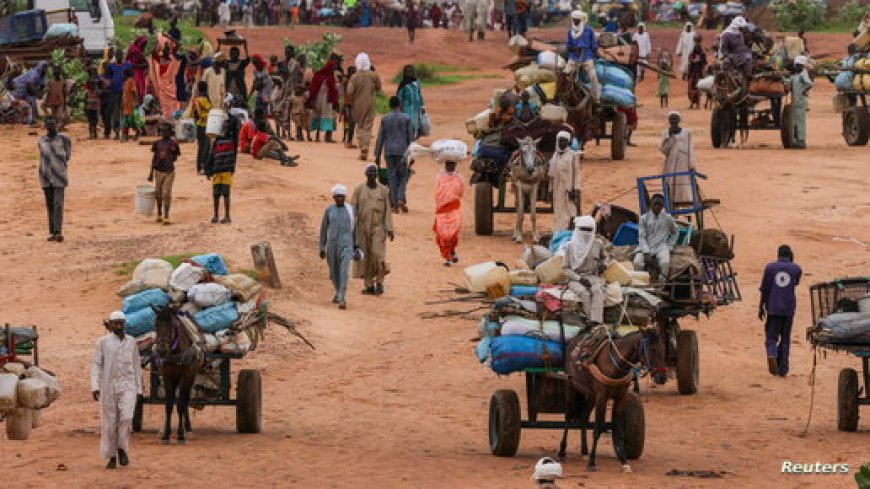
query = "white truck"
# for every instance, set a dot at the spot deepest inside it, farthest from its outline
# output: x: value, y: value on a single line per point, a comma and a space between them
x: 96, y: 26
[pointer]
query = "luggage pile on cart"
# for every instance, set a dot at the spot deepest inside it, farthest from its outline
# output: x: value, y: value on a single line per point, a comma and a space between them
x: 841, y: 322
x: 227, y: 310
x: 851, y: 77
x: 25, y: 388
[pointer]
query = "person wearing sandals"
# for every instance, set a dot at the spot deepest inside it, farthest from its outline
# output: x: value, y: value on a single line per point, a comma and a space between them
x: 166, y: 152
x: 221, y: 165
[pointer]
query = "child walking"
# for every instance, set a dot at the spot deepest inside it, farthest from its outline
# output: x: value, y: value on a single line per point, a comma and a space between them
x: 220, y: 166
x: 56, y: 98
x: 94, y: 88
x: 299, y: 114
x: 201, y: 106
x: 129, y: 102
x: 664, y: 87
x: 166, y: 152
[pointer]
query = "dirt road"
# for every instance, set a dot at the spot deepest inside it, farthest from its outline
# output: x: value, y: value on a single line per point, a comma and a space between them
x: 392, y: 400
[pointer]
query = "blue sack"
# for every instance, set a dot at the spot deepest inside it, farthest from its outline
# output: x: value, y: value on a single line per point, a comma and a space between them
x: 144, y: 299
x: 515, y: 353
x: 482, y: 348
x: 212, y: 262
x: 558, y: 238
x: 609, y: 73
x: 620, y: 97
x: 140, y: 322
x: 626, y: 235
x: 844, y: 80
x: 524, y: 290
x: 216, y: 318
x: 498, y: 154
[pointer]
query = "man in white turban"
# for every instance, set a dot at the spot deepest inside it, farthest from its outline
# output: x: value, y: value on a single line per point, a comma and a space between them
x: 564, y: 173
x: 679, y: 149
x: 733, y: 47
x: 362, y: 89
x: 582, y: 50
x: 116, y: 381
x: 801, y: 84
x: 374, y: 224
x: 585, y: 261
x: 337, y: 242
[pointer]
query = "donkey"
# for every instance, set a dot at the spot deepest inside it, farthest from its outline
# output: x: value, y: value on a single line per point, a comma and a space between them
x: 179, y: 357
x: 528, y: 169
x: 604, y: 373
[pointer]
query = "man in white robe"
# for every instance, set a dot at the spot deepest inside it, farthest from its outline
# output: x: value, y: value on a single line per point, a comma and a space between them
x: 116, y: 382
x: 684, y: 49
x: 677, y: 146
x: 585, y: 261
x: 565, y: 175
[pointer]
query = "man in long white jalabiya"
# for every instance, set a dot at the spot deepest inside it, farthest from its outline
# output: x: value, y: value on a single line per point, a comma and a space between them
x: 565, y: 174
x: 585, y: 261
x: 677, y: 146
x: 116, y: 381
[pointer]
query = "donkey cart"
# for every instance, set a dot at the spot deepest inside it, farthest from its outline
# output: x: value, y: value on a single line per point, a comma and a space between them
x: 213, y: 388
x: 547, y: 393
x: 839, y: 311
x: 856, y: 116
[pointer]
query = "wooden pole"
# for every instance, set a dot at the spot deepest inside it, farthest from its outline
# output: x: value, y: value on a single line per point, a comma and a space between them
x: 264, y: 263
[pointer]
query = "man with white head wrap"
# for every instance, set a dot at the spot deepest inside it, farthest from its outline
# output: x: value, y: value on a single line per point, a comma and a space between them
x: 361, y: 90
x: 657, y: 235
x: 116, y: 381
x: 732, y: 46
x: 644, y: 47
x: 565, y: 175
x: 679, y: 150
x: 585, y: 261
x: 337, y: 242
x: 582, y: 50
x: 801, y: 84
x: 374, y: 224
x: 684, y: 48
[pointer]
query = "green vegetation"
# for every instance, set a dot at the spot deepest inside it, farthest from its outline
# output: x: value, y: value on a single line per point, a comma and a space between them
x: 382, y: 103
x: 797, y: 14
x: 71, y: 69
x: 126, y: 268
x: 434, y: 74
x: 318, y: 52
x: 851, y: 14
x: 125, y: 33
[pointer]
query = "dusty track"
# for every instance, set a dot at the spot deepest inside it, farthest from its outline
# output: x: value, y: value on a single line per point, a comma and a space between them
x: 388, y: 399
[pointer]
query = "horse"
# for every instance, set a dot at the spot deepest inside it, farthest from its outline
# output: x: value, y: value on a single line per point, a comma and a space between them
x: 179, y: 357
x: 581, y: 108
x: 601, y: 370
x: 528, y: 169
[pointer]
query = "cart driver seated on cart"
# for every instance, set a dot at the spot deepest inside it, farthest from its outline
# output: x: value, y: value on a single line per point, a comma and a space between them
x: 582, y: 50
x: 733, y: 49
x: 657, y: 235
x: 585, y: 262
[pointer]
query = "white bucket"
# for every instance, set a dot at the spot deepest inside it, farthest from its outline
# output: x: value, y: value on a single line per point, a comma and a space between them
x: 185, y: 130
x: 214, y: 126
x: 144, y: 200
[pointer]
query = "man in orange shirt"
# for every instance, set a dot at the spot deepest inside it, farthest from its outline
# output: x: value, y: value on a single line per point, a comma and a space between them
x: 129, y: 101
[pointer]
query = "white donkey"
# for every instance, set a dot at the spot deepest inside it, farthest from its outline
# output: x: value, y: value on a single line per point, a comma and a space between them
x: 527, y: 169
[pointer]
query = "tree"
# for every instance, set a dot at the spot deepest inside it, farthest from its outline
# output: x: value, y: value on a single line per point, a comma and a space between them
x: 797, y: 15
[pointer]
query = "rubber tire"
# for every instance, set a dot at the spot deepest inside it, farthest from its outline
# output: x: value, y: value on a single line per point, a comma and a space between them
x: 249, y: 402
x: 787, y: 129
x: 856, y: 126
x: 688, y: 365
x: 483, y: 215
x: 504, y: 423
x: 635, y: 426
x: 847, y: 400
x: 716, y: 127
x: 138, y: 413
x: 617, y: 144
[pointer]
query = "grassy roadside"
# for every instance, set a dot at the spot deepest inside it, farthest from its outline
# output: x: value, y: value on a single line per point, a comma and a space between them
x: 125, y: 33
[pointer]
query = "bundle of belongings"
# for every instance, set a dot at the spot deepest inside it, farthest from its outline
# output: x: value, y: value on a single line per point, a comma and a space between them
x: 222, y: 311
x: 25, y: 389
x: 843, y: 328
x: 855, y: 74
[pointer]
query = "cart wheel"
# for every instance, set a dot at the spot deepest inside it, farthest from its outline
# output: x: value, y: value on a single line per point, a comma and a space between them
x: 787, y: 128
x: 483, y: 209
x: 504, y: 423
x: 249, y: 401
x: 137, y: 414
x: 847, y: 400
x: 687, y: 362
x: 856, y: 126
x: 617, y: 140
x: 635, y: 426
x: 722, y: 123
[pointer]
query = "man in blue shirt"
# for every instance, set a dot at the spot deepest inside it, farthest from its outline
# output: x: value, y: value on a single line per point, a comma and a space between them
x: 778, y: 305
x: 582, y: 50
x: 115, y: 75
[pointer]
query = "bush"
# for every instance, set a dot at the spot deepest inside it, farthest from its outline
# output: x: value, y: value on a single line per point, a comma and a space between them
x: 71, y: 69
x: 318, y: 51
x: 851, y: 13
x: 796, y: 15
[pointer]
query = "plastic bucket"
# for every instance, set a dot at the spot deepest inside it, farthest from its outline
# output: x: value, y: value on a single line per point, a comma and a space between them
x: 144, y: 200
x: 214, y: 126
x: 185, y: 130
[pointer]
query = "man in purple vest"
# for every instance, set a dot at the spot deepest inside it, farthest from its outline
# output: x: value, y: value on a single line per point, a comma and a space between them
x: 778, y: 305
